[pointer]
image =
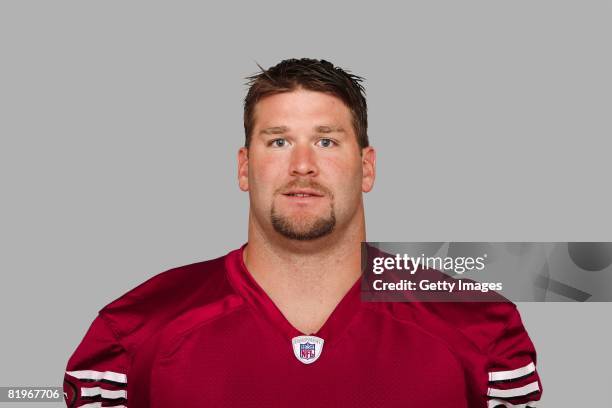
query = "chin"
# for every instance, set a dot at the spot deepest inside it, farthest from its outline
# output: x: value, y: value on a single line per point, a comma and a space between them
x: 303, y: 231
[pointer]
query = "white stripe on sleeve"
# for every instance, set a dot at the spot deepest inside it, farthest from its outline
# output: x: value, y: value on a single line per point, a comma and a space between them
x: 514, y: 392
x: 99, y: 405
x: 99, y: 375
x: 95, y: 391
x: 499, y: 403
x: 512, y: 374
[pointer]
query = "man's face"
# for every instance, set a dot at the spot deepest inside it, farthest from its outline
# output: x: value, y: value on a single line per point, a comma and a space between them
x: 304, y: 169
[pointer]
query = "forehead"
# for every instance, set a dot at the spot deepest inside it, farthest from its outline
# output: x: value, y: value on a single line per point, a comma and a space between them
x: 302, y: 106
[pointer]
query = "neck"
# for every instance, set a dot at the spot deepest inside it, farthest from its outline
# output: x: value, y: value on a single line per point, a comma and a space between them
x: 306, y: 278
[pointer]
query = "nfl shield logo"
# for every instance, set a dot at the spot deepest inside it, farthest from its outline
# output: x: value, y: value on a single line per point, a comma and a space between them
x: 307, y: 349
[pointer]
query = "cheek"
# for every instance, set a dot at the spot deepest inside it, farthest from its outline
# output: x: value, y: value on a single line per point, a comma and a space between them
x: 264, y: 174
x: 347, y: 175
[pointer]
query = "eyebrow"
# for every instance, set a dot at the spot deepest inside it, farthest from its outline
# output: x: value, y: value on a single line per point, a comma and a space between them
x: 275, y: 130
x: 329, y: 129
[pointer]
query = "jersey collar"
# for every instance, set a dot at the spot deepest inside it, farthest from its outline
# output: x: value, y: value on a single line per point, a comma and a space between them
x: 246, y: 286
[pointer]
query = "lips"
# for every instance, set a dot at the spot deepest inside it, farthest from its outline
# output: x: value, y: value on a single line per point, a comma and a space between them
x: 303, y: 193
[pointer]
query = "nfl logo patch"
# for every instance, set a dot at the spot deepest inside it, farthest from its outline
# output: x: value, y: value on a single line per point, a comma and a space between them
x: 307, y: 349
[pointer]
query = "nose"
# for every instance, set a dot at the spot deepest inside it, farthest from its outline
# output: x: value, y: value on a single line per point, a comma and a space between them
x: 303, y: 161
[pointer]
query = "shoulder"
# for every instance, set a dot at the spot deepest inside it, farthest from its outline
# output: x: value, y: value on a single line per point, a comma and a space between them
x: 434, y: 304
x: 474, y: 325
x: 487, y: 339
x: 146, y: 309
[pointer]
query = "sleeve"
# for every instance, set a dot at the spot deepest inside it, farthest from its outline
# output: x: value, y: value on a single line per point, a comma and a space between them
x: 513, y: 381
x: 96, y: 374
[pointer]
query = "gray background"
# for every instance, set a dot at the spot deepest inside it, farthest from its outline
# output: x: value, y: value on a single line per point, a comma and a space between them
x: 120, y: 124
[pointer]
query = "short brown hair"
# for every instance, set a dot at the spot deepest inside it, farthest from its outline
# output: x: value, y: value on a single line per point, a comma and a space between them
x: 313, y: 75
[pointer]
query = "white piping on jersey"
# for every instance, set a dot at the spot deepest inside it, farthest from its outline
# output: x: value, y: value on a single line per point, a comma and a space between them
x: 95, y: 391
x: 512, y: 374
x: 99, y: 405
x: 499, y: 403
x: 514, y: 392
x: 99, y: 375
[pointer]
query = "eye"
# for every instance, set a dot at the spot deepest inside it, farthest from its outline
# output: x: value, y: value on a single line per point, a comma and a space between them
x: 326, y: 142
x: 278, y: 143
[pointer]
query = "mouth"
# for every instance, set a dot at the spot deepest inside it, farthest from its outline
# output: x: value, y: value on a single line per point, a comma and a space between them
x: 303, y: 197
x: 303, y: 194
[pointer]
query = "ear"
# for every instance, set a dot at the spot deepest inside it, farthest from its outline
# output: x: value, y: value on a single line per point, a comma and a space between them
x: 243, y: 169
x: 368, y: 163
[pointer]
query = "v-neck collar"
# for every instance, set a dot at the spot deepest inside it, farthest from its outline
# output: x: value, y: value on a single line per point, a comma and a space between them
x: 246, y: 286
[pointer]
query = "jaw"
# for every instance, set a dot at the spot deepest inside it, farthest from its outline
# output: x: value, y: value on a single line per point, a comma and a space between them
x: 349, y: 229
x: 302, y: 222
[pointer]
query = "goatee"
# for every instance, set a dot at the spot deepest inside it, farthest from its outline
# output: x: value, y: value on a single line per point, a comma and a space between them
x: 289, y: 229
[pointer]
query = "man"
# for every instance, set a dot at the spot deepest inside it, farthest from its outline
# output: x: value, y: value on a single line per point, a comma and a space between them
x: 279, y: 322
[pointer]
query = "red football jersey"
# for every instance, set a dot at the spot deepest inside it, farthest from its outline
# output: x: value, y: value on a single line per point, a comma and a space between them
x: 207, y: 335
